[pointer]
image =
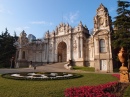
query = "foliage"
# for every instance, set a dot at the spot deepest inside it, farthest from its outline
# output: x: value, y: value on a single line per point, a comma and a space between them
x: 116, y: 75
x: 111, y: 89
x: 127, y: 92
x: 121, y: 35
x: 7, y: 50
x: 23, y: 88
x: 104, y: 90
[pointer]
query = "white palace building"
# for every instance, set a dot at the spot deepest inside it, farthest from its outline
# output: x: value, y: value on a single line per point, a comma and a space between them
x: 67, y: 43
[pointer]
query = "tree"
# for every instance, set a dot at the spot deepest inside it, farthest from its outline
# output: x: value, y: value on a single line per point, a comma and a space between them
x: 7, y: 50
x: 121, y: 34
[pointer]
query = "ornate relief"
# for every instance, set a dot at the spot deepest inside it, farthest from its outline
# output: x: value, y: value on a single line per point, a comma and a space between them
x: 34, y: 47
x: 50, y: 47
x: 75, y: 45
x: 23, y: 40
x: 102, y: 18
x: 47, y: 35
x: 101, y: 33
x: 40, y: 47
x: 66, y: 28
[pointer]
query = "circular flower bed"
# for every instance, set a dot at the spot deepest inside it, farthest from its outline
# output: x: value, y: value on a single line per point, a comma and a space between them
x: 41, y: 75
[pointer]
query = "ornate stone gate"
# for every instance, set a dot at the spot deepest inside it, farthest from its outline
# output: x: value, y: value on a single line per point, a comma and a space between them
x: 62, y: 52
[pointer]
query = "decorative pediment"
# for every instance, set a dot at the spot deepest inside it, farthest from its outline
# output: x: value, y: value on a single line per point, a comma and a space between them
x: 23, y: 40
x: 63, y: 29
x: 101, y: 32
x: 101, y: 10
x: 102, y: 19
x: 23, y: 34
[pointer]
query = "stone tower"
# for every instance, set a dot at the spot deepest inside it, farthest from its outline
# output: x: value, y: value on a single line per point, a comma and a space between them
x: 100, y: 44
x: 21, y: 54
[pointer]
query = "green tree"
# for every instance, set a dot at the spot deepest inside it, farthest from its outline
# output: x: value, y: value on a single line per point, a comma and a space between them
x: 7, y: 50
x: 121, y: 34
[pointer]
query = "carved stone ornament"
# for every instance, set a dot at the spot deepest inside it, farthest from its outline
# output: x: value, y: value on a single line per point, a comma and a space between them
x: 123, y: 69
x: 122, y: 56
x: 50, y: 47
x: 75, y: 45
x: 63, y: 28
x: 102, y: 17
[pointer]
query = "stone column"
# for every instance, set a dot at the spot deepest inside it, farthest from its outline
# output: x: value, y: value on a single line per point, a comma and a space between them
x: 16, y: 55
x: 47, y: 54
x: 44, y: 52
x: 70, y: 44
x: 97, y: 46
x: 81, y: 46
x: 16, y: 59
x: 53, y: 51
x: 78, y: 47
x: 70, y: 48
x: 20, y: 54
x: 56, y: 48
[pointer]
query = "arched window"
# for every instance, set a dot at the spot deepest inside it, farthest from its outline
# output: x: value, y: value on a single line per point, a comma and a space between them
x: 102, y: 46
x: 23, y: 55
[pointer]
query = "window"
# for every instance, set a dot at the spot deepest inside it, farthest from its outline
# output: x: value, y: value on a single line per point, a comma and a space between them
x: 23, y: 55
x: 102, y: 46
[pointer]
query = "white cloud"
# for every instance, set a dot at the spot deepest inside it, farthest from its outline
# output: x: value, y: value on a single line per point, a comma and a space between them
x: 26, y: 27
x: 42, y: 22
x: 9, y: 12
x: 38, y: 22
x: 3, y: 10
x: 71, y: 17
x: 112, y: 9
x: 50, y: 23
x: 19, y: 29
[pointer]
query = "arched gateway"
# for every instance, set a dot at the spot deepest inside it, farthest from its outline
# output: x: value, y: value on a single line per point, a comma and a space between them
x: 62, y: 52
x: 71, y: 43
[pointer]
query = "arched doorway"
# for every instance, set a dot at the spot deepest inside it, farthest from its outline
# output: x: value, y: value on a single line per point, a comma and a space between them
x: 62, y: 52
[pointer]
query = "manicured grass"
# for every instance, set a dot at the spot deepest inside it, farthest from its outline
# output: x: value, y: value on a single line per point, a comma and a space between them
x: 90, y: 69
x: 54, y: 88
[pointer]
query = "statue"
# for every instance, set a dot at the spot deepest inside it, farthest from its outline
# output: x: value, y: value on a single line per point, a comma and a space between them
x: 124, y: 75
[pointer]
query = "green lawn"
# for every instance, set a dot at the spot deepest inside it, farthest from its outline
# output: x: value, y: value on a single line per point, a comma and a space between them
x: 90, y: 69
x: 23, y: 88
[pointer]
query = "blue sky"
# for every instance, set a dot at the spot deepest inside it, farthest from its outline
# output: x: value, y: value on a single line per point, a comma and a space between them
x: 38, y: 16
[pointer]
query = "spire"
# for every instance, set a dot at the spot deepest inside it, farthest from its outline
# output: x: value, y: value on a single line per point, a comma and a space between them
x: 85, y: 26
x: 23, y: 33
x: 80, y: 23
x: 102, y: 7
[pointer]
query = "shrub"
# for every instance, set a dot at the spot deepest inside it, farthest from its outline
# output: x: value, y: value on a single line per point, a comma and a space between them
x: 105, y: 90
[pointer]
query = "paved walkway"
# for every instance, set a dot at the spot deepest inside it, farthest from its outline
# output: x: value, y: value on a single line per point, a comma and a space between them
x: 58, y: 67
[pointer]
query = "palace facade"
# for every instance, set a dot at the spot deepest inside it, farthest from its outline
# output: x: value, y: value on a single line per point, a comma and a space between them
x: 71, y: 43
